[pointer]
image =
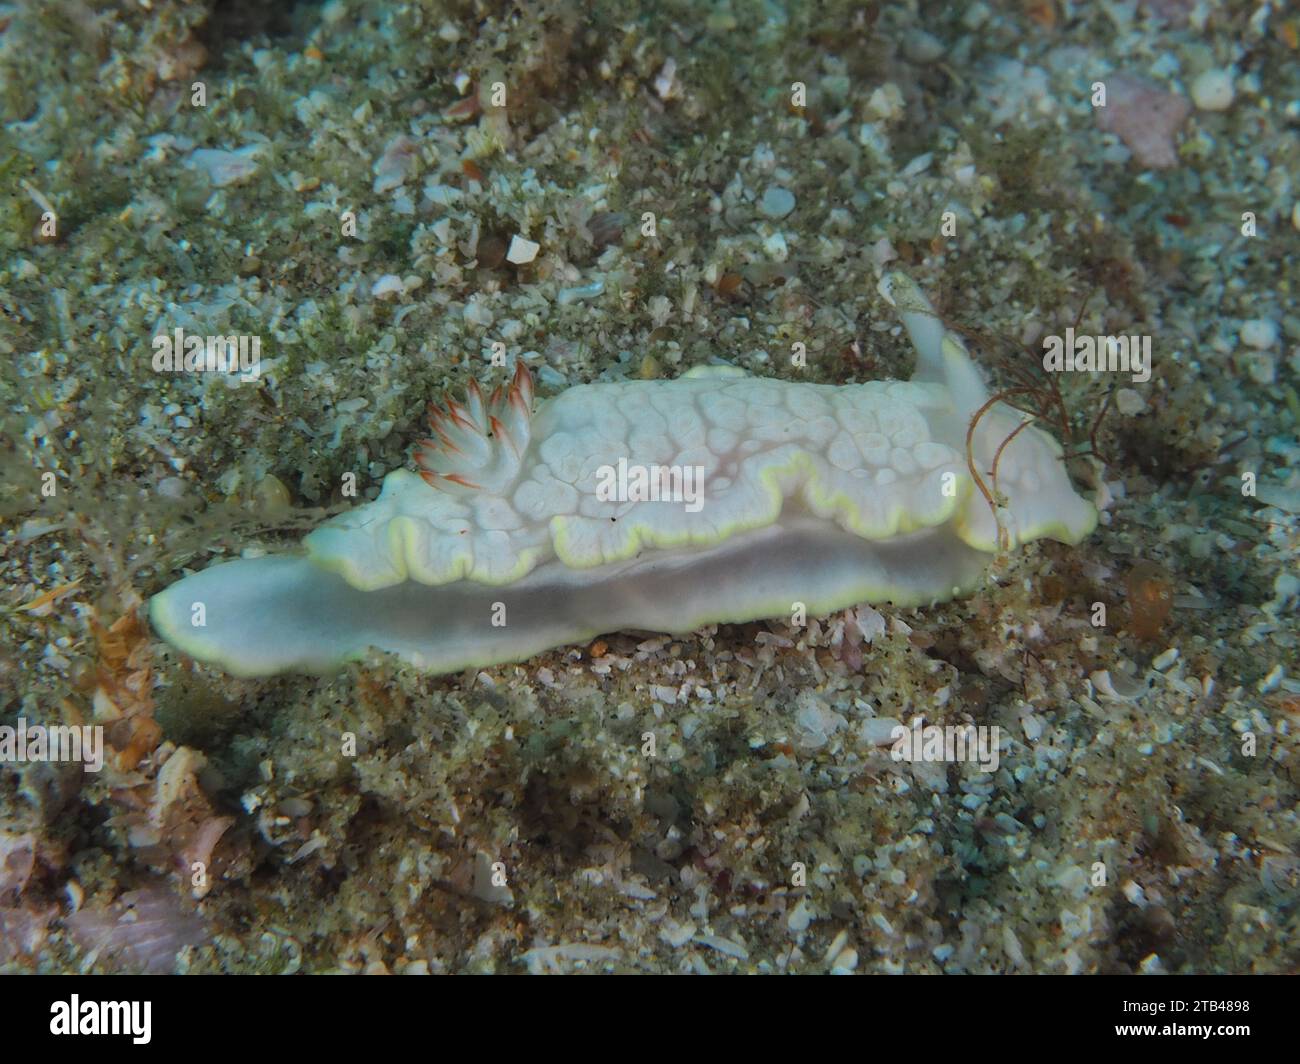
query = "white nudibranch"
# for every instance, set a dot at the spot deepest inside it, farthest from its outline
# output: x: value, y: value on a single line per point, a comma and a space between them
x: 659, y: 505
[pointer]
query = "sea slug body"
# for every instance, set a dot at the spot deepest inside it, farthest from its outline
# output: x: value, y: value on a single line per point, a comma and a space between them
x: 653, y: 505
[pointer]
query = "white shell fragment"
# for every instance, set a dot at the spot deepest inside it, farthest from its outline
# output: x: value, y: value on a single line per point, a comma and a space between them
x: 522, y: 250
x: 396, y: 164
x: 388, y: 285
x: 663, y: 505
x: 225, y: 167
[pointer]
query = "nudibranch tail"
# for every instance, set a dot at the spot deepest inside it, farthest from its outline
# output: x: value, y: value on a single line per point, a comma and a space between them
x: 478, y: 445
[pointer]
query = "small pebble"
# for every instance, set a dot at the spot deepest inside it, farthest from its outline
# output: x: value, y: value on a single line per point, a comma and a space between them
x: 270, y: 496
x: 675, y: 934
x: 1261, y: 367
x: 922, y: 47
x: 882, y: 253
x: 1166, y: 659
x: 225, y: 167
x: 1213, y: 91
x: 492, y: 251
x: 552, y: 378
x: 395, y: 165
x: 1145, y: 117
x: 800, y: 917
x: 776, y: 247
x: 777, y: 202
x: 522, y: 250
x: 846, y: 962
x: 1272, y: 681
x: 388, y: 285
x: 1129, y: 402
x: 582, y: 292
x: 477, y: 312
x: 1259, y: 333
x: 664, y: 80
x: 886, y: 103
